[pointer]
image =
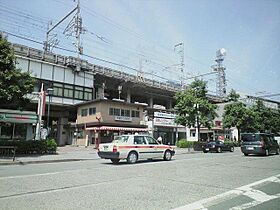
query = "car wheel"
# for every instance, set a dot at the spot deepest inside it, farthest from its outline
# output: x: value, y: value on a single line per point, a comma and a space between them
x: 115, y: 161
x: 219, y: 150
x: 205, y: 151
x: 245, y: 154
x: 132, y: 157
x: 167, y: 155
x: 266, y: 152
x: 231, y: 149
x: 277, y: 151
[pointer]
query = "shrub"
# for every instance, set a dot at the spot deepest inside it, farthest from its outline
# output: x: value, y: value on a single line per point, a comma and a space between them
x: 198, y: 145
x: 183, y: 143
x: 31, y: 146
x: 232, y: 143
x: 51, y: 145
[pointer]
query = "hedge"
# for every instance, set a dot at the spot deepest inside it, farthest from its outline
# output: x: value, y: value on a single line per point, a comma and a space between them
x: 183, y: 143
x: 232, y: 143
x: 48, y: 146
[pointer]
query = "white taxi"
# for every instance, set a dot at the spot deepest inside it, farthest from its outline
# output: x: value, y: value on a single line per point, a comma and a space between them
x: 135, y: 147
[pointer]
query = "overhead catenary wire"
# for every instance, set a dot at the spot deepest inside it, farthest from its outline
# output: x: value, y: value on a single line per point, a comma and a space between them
x: 89, y: 56
x: 113, y: 43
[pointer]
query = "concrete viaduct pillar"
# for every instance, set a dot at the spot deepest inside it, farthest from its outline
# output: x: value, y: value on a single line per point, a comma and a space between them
x: 169, y: 105
x: 61, y: 133
x: 151, y: 102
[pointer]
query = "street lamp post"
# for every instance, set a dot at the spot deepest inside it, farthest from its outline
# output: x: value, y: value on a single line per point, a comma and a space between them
x: 50, y: 92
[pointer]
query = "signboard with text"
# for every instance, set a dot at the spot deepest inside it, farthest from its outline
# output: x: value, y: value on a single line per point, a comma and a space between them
x: 123, y: 118
x: 165, y: 115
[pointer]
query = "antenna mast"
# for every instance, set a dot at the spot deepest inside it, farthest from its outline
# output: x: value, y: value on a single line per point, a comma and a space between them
x: 220, y: 69
x: 179, y: 48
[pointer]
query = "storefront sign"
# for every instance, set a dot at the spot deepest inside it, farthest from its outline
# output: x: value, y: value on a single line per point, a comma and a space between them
x: 164, y: 115
x: 18, y: 118
x: 122, y: 118
x: 164, y: 122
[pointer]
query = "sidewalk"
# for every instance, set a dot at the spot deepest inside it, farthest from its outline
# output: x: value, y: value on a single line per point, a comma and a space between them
x: 67, y: 153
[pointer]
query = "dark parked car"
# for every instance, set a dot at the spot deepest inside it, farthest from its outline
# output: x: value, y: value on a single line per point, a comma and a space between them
x: 217, y: 146
x: 259, y: 143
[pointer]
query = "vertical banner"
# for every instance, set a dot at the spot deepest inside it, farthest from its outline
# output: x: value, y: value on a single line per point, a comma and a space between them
x: 43, y: 101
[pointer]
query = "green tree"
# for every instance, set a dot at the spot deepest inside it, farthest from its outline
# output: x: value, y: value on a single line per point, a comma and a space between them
x: 233, y: 96
x: 265, y: 119
x: 275, y: 121
x: 193, y: 107
x: 14, y: 84
x: 237, y: 115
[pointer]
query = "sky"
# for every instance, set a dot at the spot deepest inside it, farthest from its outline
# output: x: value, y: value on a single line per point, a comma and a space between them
x: 140, y: 35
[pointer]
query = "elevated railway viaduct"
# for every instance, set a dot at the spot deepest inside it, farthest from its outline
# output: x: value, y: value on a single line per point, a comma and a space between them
x: 71, y: 87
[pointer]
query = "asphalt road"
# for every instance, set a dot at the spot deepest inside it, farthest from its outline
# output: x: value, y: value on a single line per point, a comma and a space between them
x: 189, y: 181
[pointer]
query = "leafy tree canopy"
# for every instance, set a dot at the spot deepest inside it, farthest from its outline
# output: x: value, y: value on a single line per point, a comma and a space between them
x: 192, y: 103
x: 256, y: 118
x: 233, y: 96
x: 14, y: 84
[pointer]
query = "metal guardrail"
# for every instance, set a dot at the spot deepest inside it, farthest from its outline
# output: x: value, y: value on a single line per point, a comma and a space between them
x: 7, y: 151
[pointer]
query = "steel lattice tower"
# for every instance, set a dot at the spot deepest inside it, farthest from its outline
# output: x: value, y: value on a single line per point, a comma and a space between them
x: 221, y: 75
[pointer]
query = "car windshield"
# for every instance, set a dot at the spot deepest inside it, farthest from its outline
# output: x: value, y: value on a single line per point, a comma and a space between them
x: 120, y: 139
x: 250, y: 137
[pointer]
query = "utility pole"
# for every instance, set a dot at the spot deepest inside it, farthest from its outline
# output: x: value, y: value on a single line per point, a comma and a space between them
x: 48, y: 43
x: 221, y: 76
x: 74, y: 29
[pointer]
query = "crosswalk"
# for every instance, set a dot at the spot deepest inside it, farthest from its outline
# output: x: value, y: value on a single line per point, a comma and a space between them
x: 245, y: 197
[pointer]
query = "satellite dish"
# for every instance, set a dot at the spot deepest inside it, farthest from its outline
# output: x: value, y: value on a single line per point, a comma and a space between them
x: 221, y: 52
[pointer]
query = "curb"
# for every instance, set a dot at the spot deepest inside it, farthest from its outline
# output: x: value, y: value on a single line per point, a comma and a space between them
x: 41, y: 161
x: 18, y: 162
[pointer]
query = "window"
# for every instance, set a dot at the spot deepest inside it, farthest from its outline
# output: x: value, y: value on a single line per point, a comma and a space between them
x: 117, y: 112
x: 151, y: 140
x: 127, y: 113
x: 84, y: 112
x: 120, y: 139
x: 139, y: 140
x: 135, y: 113
x: 78, y: 93
x: 88, y: 94
x: 57, y: 89
x: 111, y: 111
x: 68, y: 91
x: 92, y: 111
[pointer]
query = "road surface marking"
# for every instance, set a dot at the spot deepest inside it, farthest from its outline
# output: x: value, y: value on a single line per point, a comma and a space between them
x: 257, y: 195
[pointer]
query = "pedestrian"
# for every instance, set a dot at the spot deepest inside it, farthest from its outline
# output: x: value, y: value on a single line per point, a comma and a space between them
x: 159, y: 139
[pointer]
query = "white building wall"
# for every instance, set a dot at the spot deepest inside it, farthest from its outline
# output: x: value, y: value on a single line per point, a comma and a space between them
x: 58, y: 74
x: 35, y: 69
x: 69, y: 76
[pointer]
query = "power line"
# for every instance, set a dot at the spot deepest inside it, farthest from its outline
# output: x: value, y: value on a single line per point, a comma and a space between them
x: 270, y: 95
x: 89, y: 56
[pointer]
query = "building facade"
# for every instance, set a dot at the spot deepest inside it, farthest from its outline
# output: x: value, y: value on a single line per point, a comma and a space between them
x: 99, y: 121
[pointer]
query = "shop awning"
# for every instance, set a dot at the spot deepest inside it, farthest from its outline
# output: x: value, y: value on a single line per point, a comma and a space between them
x: 111, y: 128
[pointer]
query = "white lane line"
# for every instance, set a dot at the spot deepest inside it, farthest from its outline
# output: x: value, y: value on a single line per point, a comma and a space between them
x: 258, y: 196
x: 98, y: 168
x: 30, y: 175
